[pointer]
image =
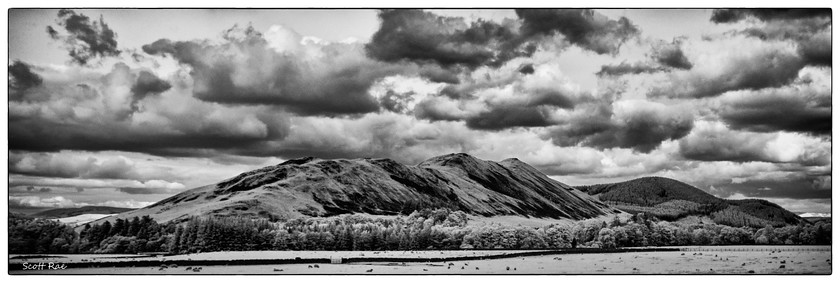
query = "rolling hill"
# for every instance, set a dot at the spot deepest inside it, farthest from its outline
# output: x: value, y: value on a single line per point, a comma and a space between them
x: 670, y: 199
x: 318, y: 187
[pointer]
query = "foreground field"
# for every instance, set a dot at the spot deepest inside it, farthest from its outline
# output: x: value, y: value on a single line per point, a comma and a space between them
x: 711, y: 260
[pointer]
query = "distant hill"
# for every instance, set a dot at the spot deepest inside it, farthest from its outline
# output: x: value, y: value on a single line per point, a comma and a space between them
x: 670, y: 199
x: 319, y: 187
x: 816, y: 219
x: 81, y: 219
x: 76, y: 211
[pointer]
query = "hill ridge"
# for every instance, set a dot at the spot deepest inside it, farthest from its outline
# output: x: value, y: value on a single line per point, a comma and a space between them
x: 310, y: 186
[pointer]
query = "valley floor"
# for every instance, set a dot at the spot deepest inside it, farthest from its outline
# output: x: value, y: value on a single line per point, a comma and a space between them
x: 691, y: 260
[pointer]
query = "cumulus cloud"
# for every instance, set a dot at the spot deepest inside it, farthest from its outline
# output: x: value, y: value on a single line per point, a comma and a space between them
x: 625, y: 68
x: 414, y: 35
x: 794, y: 108
x: 583, y: 27
x: 506, y: 98
x: 637, y: 124
x: 84, y: 39
x: 809, y: 28
x: 423, y: 37
x: 21, y: 78
x: 671, y: 55
x: 663, y: 57
x: 751, y: 65
x: 713, y: 141
x: 85, y: 110
x: 280, y: 69
x: 146, y: 84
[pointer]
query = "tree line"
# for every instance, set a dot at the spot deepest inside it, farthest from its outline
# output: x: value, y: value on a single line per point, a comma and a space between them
x: 439, y: 229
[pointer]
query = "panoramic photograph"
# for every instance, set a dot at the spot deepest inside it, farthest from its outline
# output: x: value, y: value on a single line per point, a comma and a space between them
x: 419, y: 141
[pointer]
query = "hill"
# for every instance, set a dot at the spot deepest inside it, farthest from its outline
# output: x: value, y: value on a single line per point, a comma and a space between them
x: 317, y: 187
x: 670, y: 199
x: 76, y: 211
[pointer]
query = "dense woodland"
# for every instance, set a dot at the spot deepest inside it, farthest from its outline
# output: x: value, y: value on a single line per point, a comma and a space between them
x: 422, y: 230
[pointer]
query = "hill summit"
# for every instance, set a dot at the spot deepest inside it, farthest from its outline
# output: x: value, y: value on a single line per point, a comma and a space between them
x: 325, y: 187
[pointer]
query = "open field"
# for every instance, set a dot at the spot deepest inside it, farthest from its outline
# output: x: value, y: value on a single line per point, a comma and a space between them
x: 692, y: 260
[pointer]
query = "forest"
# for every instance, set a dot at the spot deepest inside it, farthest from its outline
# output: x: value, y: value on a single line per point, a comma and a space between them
x: 439, y: 229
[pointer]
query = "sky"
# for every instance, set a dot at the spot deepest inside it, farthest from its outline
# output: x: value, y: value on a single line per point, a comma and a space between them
x: 127, y: 107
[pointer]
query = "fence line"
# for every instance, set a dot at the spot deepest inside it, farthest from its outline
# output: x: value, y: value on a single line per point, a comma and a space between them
x: 768, y: 249
x: 338, y: 260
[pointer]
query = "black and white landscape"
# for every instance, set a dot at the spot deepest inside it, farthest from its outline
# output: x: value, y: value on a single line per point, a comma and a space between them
x: 473, y: 141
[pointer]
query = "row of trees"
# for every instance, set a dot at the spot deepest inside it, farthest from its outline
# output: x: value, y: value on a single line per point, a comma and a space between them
x: 27, y: 235
x: 440, y: 229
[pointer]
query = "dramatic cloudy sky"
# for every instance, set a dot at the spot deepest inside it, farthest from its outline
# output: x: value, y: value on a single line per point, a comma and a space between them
x: 127, y: 107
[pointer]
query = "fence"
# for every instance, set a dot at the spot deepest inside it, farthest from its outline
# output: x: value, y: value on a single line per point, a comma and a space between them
x: 756, y: 249
x: 340, y: 260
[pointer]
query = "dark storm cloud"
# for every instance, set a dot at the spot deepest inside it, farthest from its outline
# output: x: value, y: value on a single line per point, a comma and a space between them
x: 583, y: 27
x: 419, y: 36
x: 724, y: 148
x: 423, y: 37
x: 765, y: 68
x: 437, y: 74
x: 805, y: 110
x: 525, y: 108
x: 816, y: 50
x: 147, y: 84
x: 395, y: 102
x: 21, y: 78
x: 334, y: 85
x: 735, y: 15
x: 641, y: 126
x: 527, y: 69
x: 625, y: 68
x: 670, y: 55
x: 510, y: 116
x: 29, y: 134
x: 429, y: 109
x: 86, y: 39
x: 809, y: 28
